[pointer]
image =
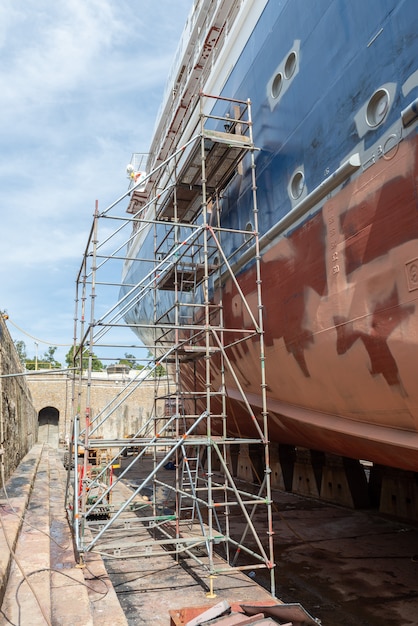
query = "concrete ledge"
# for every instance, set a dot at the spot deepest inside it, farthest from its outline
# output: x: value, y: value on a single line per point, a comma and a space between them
x: 70, y: 602
x: 107, y: 611
x: 12, y: 508
x: 65, y: 594
x: 28, y: 599
x: 93, y: 602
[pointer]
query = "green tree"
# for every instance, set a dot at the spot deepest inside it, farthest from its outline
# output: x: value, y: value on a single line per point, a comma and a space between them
x: 131, y: 361
x: 49, y: 357
x: 46, y: 361
x: 96, y: 364
x: 159, y: 369
x: 21, y: 350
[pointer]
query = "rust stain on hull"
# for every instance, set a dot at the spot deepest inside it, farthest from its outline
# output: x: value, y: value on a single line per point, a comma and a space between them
x: 341, y: 322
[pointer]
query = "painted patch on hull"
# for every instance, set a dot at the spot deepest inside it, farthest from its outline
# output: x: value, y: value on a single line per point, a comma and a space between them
x: 336, y: 301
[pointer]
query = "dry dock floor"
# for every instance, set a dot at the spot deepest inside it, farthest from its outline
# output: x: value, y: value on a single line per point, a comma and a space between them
x: 347, y: 568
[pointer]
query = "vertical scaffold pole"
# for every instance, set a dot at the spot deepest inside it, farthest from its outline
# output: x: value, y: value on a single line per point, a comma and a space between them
x: 83, y: 484
x: 267, y: 468
x: 207, y: 334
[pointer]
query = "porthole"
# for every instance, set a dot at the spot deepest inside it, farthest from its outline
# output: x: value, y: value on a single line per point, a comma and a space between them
x: 276, y: 85
x: 249, y: 228
x: 297, y: 184
x: 377, y: 108
x: 290, y: 65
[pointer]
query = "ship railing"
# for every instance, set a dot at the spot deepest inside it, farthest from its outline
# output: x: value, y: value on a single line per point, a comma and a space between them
x: 194, y: 66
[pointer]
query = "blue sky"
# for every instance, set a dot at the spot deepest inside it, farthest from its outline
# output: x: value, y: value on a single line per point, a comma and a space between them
x: 81, y: 85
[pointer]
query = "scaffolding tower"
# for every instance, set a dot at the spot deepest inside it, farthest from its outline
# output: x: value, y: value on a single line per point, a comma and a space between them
x: 187, y: 498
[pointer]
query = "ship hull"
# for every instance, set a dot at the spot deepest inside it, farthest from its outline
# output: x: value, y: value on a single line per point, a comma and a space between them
x: 341, y: 328
x: 339, y: 263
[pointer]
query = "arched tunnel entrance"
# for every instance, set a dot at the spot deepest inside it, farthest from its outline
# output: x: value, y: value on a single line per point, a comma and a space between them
x: 48, y: 420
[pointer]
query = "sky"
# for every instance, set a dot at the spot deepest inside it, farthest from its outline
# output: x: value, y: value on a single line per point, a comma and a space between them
x: 81, y: 85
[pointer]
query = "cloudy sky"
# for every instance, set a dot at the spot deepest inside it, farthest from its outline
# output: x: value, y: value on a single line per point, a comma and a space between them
x: 81, y: 84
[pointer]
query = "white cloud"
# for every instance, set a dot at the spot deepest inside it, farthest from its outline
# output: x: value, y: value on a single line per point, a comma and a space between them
x: 81, y: 86
x: 56, y: 47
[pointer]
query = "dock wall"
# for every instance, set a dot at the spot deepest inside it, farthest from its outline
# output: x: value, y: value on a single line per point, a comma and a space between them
x: 18, y: 417
x: 123, y: 406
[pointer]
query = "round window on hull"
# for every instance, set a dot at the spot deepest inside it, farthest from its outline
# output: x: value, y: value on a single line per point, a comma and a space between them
x: 287, y: 71
x: 277, y: 84
x: 290, y: 65
x: 249, y: 231
x: 283, y: 75
x: 377, y: 108
x: 297, y: 185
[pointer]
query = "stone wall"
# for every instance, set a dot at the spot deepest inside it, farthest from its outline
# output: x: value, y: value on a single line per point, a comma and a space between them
x: 126, y: 405
x: 18, y: 417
